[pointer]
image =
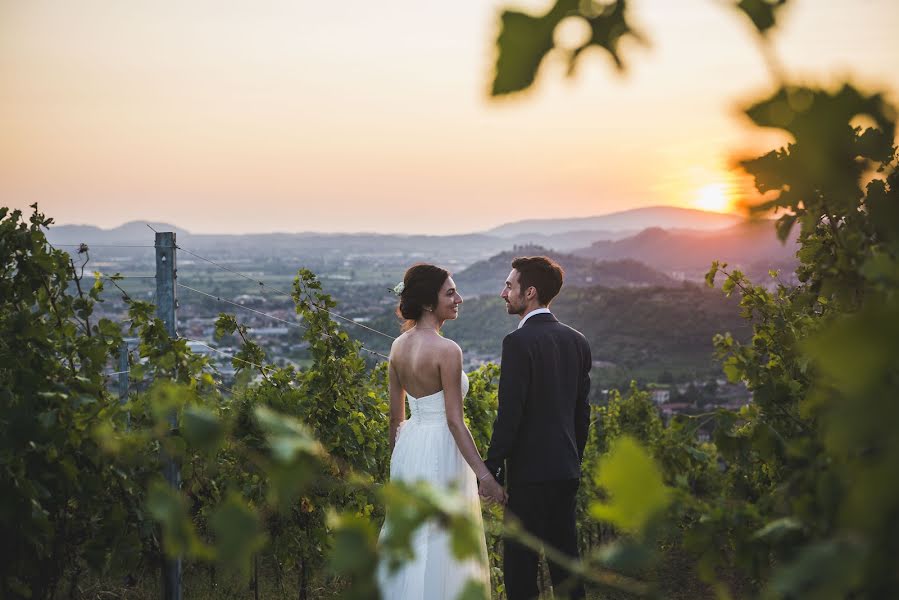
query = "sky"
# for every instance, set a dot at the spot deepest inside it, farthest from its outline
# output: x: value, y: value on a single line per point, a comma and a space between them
x: 289, y: 115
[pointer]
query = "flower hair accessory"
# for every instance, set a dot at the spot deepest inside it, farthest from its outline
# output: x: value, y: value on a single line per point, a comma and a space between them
x: 398, y: 288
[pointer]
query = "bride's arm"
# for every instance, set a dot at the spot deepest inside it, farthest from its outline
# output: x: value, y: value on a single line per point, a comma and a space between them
x: 451, y: 379
x: 397, y: 402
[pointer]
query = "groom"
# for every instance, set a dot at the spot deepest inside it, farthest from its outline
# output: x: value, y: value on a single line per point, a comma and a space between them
x: 541, y: 428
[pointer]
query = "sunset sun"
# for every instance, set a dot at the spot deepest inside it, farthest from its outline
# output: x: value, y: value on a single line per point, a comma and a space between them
x: 714, y: 197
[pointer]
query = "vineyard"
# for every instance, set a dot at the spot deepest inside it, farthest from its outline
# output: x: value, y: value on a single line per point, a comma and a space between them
x: 280, y: 484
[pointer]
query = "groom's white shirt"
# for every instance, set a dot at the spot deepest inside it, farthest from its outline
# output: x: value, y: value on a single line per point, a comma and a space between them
x: 536, y: 311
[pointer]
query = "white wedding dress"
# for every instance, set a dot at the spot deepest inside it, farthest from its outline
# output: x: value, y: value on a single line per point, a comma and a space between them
x: 425, y: 450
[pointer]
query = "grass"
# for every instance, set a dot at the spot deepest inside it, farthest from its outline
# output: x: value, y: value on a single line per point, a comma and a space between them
x: 198, y: 584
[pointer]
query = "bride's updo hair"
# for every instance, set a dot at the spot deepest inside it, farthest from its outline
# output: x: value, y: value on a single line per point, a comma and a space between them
x: 422, y: 283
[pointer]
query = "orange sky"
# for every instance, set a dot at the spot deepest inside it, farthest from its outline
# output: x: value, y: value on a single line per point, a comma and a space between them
x: 359, y: 116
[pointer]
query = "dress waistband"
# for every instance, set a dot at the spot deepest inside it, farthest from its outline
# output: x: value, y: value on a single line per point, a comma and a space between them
x: 427, y: 419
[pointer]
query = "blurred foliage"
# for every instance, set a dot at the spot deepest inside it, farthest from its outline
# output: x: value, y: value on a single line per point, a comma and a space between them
x: 796, y: 499
x: 525, y: 40
x: 65, y: 505
x: 639, y: 494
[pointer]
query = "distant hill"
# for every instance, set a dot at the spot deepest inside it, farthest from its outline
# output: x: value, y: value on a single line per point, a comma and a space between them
x: 633, y: 332
x: 454, y: 251
x: 747, y: 244
x: 137, y: 232
x: 133, y: 232
x: 564, y: 241
x: 667, y: 251
x: 487, y: 276
x: 668, y: 217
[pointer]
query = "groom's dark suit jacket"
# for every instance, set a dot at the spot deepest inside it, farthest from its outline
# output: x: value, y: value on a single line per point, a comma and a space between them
x: 541, y: 428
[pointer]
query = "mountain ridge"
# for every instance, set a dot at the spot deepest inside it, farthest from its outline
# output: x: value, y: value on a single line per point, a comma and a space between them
x: 606, y: 226
x: 745, y: 244
x: 635, y: 219
x: 486, y: 276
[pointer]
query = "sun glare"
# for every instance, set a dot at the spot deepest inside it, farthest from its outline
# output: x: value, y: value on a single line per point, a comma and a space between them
x: 714, y: 197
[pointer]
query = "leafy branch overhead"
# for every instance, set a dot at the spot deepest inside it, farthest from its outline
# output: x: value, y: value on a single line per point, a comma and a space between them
x: 823, y: 170
x: 525, y: 40
x: 761, y: 12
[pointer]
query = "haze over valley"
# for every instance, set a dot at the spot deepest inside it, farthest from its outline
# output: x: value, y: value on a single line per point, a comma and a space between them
x: 633, y: 283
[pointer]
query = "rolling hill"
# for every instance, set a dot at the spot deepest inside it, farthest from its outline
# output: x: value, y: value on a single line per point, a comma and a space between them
x: 633, y: 332
x: 487, y: 276
x: 668, y: 217
x: 748, y: 244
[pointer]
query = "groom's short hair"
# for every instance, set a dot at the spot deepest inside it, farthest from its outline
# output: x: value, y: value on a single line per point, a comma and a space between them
x: 543, y: 273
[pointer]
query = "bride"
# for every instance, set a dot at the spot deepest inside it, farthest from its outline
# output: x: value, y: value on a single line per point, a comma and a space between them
x: 434, y: 445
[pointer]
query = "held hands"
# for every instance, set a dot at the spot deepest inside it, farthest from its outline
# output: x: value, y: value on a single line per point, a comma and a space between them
x: 490, y: 490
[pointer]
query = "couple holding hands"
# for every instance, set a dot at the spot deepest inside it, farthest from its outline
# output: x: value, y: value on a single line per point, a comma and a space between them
x: 532, y: 466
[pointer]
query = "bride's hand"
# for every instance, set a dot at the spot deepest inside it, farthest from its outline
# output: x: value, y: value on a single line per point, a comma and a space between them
x: 492, y: 490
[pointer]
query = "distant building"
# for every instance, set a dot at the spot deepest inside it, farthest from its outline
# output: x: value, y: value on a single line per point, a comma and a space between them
x: 270, y: 331
x: 249, y: 299
x: 660, y: 394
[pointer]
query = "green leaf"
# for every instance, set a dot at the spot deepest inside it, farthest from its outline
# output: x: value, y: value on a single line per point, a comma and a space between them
x: 624, y: 555
x: 634, y: 484
x: 858, y: 348
x: 237, y: 532
x: 465, y: 537
x: 288, y: 481
x: 767, y: 442
x: 48, y: 418
x: 354, y: 549
x: 167, y: 398
x: 697, y: 454
x: 778, y: 529
x: 287, y: 437
x: 732, y: 369
x: 137, y: 372
x: 169, y: 508
x: 784, y: 225
x: 710, y: 276
x: 354, y: 554
x: 474, y: 590
x: 761, y: 12
x: 608, y: 25
x: 167, y: 361
x: 202, y: 428
x: 225, y: 324
x: 525, y: 40
x: 823, y: 570
x: 728, y: 286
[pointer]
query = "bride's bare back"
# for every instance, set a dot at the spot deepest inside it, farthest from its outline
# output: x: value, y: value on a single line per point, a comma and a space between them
x: 416, y: 358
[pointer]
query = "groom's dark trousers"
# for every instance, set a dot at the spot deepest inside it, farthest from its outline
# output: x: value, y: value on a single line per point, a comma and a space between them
x: 547, y: 511
x: 538, y: 441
